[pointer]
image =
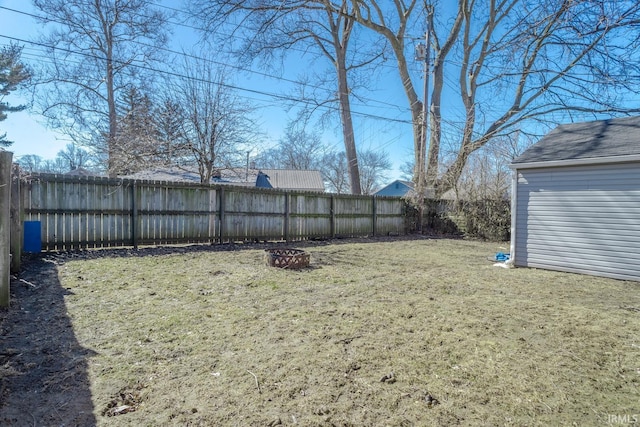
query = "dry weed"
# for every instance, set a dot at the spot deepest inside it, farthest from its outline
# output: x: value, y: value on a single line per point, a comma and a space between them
x: 399, y: 333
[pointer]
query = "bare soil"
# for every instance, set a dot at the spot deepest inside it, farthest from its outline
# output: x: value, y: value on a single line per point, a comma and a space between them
x: 376, y: 332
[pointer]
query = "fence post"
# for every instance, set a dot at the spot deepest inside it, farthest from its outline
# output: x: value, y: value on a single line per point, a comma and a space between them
x: 5, y: 225
x: 16, y: 220
x: 134, y: 215
x: 222, y: 207
x: 374, y: 215
x: 287, y: 214
x: 213, y: 214
x: 332, y: 209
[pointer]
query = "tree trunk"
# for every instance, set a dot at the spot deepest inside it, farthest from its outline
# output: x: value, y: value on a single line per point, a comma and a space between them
x: 435, y: 124
x: 419, y: 150
x: 111, y: 104
x: 341, y: 26
x: 347, y: 126
x: 435, y: 117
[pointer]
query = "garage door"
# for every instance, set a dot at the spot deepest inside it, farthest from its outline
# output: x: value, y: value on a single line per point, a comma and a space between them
x: 583, y: 219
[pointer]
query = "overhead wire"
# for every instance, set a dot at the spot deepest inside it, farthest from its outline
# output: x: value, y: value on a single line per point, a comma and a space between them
x: 448, y: 80
x: 222, y: 84
x: 383, y: 105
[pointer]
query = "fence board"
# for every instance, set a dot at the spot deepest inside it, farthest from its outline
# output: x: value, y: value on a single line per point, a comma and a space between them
x: 354, y: 216
x: 310, y: 216
x: 90, y: 212
x: 387, y: 219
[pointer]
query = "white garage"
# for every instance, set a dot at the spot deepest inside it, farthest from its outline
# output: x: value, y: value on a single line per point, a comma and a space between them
x: 576, y: 200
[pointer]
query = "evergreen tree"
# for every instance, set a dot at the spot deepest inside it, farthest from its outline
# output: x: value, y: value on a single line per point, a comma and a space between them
x: 13, y: 73
x: 172, y: 146
x: 136, y: 143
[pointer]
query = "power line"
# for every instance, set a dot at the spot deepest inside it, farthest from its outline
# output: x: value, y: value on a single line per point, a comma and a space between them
x: 226, y: 85
x: 191, y: 15
x: 222, y: 64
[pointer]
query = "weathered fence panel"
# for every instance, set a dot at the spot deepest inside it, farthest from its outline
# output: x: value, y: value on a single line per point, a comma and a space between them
x: 251, y: 214
x: 166, y: 213
x: 354, y: 216
x: 390, y: 215
x: 309, y: 216
x: 90, y: 212
x: 77, y: 212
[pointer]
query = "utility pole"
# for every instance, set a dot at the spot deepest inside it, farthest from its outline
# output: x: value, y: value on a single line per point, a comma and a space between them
x: 423, y: 54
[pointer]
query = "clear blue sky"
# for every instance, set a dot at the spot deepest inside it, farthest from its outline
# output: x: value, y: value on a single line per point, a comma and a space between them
x: 30, y: 135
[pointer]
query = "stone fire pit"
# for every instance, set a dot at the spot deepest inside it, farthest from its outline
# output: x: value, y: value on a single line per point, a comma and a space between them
x: 287, y: 258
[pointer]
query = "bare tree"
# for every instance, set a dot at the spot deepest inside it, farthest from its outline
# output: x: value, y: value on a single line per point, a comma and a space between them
x: 373, y: 167
x: 74, y: 157
x: 300, y: 149
x: 374, y: 164
x: 335, y: 172
x: 70, y: 158
x: 268, y: 159
x: 30, y: 163
x: 56, y: 165
x: 486, y: 175
x: 13, y: 74
x: 515, y: 62
x: 323, y: 27
x: 392, y: 23
x: 216, y: 127
x: 97, y: 49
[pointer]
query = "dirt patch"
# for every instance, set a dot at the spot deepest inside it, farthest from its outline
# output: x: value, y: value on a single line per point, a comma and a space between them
x: 43, y: 368
x: 388, y: 332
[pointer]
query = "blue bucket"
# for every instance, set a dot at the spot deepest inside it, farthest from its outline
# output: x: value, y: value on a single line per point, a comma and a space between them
x: 32, y: 237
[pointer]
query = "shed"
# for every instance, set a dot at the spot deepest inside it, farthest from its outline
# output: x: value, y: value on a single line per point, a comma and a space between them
x: 576, y: 200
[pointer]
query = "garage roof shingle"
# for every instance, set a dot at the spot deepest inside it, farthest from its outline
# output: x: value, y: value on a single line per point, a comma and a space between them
x: 602, y: 138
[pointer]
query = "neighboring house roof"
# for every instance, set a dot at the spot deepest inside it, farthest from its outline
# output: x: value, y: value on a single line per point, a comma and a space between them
x: 294, y: 179
x: 231, y: 176
x: 81, y: 172
x: 580, y: 141
x: 397, y: 188
x: 265, y: 178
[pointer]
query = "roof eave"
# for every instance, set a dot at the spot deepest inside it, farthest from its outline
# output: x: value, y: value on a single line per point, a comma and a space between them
x: 576, y: 162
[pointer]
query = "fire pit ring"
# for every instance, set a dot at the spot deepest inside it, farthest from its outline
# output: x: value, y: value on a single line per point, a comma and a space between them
x: 287, y: 258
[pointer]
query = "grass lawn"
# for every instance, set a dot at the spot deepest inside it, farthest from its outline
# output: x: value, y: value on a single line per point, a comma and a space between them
x: 394, y: 333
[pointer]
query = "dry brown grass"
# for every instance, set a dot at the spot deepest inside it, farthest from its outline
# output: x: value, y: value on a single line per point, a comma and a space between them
x: 219, y: 338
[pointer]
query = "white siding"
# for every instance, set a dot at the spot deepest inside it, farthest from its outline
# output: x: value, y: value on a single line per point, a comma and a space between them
x: 583, y: 219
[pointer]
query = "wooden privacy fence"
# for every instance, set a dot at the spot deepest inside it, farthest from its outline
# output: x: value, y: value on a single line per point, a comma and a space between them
x: 92, y: 212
